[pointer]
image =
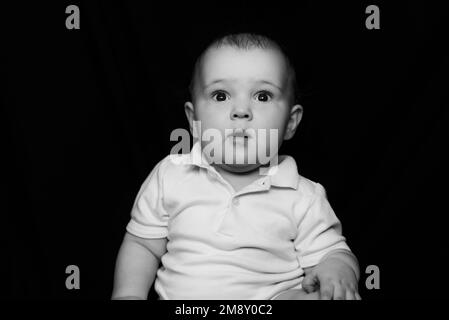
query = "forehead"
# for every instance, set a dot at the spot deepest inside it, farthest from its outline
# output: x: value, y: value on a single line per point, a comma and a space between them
x: 236, y: 64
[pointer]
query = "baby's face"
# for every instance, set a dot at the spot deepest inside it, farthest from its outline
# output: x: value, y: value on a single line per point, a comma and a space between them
x: 244, y: 89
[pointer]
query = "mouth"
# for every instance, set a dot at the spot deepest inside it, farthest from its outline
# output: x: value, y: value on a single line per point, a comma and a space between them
x: 239, y: 133
x: 239, y: 138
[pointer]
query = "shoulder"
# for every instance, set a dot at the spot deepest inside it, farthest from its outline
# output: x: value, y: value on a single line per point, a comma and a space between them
x: 173, y: 167
x: 167, y: 172
x: 311, y: 198
x: 165, y: 166
x: 309, y: 188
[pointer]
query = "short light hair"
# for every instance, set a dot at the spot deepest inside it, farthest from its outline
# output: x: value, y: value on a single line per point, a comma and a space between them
x: 248, y: 41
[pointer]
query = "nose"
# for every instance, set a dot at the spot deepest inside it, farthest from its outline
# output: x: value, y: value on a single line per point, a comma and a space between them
x: 241, y: 113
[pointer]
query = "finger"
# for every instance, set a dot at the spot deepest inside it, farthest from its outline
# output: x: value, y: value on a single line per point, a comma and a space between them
x: 339, y: 292
x: 309, y: 283
x: 313, y: 296
x: 350, y: 295
x: 357, y: 296
x: 326, y: 291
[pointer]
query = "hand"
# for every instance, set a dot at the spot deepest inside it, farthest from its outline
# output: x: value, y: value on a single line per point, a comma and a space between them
x: 335, y: 279
x: 297, y: 294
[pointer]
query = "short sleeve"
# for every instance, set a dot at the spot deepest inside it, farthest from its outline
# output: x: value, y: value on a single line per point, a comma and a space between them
x: 148, y: 217
x: 319, y: 231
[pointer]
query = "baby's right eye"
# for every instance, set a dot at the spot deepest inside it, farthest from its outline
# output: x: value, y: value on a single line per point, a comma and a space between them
x: 219, y: 96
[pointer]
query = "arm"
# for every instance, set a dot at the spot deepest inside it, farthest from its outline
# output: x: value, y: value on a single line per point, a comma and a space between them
x: 347, y: 257
x: 321, y: 246
x: 336, y: 275
x: 136, y: 267
x: 297, y: 294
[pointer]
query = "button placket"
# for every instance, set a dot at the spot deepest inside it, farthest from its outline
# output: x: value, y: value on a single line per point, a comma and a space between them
x: 260, y: 186
x: 226, y: 225
x: 213, y: 173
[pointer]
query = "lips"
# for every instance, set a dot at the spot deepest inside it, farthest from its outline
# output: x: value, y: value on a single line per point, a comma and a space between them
x: 240, y: 133
x: 243, y: 135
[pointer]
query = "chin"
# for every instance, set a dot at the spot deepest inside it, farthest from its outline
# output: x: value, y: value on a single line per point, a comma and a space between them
x: 240, y: 168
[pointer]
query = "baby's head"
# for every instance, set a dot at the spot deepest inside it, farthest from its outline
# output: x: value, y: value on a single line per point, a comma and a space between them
x: 243, y: 83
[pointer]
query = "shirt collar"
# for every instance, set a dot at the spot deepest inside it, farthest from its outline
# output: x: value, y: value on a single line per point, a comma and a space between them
x: 282, y: 174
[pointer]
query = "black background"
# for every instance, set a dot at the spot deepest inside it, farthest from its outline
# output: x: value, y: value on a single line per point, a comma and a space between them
x: 86, y: 114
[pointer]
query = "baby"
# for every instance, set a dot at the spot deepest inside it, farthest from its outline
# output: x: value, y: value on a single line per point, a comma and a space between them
x: 229, y: 229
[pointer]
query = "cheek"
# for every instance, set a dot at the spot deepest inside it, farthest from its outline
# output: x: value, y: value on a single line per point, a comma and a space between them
x: 278, y: 121
x: 273, y: 119
x: 211, y: 122
x: 216, y: 118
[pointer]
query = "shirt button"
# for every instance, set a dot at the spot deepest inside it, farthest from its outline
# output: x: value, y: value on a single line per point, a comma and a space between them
x: 235, y: 201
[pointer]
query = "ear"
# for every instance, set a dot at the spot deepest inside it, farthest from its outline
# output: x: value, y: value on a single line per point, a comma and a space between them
x: 190, y: 113
x: 293, y: 121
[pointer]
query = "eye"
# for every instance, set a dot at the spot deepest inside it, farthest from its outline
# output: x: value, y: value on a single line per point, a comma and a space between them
x: 264, y: 96
x: 219, y: 96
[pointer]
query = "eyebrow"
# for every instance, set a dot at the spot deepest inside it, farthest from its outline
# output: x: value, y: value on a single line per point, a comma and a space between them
x: 270, y: 83
x: 214, y: 82
x: 258, y: 81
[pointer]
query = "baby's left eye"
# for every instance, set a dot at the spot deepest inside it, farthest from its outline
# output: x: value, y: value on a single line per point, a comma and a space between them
x: 263, y: 96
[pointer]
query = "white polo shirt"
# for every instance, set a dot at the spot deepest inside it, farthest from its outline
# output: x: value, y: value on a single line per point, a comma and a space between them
x: 222, y: 244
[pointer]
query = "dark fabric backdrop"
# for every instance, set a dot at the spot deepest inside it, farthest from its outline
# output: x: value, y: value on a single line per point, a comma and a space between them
x: 86, y: 114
